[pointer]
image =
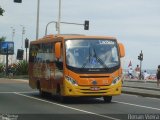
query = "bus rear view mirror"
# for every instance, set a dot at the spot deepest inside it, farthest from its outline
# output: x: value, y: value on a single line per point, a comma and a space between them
x: 121, y: 49
x: 58, y: 50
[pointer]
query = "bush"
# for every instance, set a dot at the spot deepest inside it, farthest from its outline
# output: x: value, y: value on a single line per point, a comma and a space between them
x: 21, y: 68
x: 1, y: 68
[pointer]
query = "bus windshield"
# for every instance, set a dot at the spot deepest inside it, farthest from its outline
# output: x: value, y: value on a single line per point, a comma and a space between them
x: 91, y: 54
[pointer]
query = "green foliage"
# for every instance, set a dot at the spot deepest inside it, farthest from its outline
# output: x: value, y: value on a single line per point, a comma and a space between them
x: 2, y: 39
x: 1, y: 68
x: 1, y: 11
x: 22, y: 68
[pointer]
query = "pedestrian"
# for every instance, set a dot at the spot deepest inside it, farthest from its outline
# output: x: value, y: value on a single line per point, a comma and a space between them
x: 137, y: 72
x: 158, y: 76
x: 130, y: 73
x: 145, y: 75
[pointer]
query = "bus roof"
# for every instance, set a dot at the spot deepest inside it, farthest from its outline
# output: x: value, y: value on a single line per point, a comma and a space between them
x: 69, y: 36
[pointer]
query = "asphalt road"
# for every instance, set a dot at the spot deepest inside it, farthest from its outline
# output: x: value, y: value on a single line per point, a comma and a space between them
x: 19, y: 101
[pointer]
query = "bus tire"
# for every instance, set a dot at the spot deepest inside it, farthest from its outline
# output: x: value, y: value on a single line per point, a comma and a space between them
x: 41, y: 93
x: 107, y: 99
x: 62, y: 99
x: 58, y: 90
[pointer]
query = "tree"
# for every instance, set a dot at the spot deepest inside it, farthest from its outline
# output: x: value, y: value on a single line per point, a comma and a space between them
x: 1, y: 11
x: 2, y: 39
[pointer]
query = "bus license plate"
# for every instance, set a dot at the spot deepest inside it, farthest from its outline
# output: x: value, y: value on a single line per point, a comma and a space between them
x: 94, y: 88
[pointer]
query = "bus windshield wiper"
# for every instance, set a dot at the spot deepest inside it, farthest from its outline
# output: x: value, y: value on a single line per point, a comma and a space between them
x: 100, y: 60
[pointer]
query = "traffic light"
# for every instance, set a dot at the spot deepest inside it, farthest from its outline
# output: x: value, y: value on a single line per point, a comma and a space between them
x: 86, y: 25
x: 18, y: 1
x: 140, y: 57
x: 20, y: 54
x: 26, y: 43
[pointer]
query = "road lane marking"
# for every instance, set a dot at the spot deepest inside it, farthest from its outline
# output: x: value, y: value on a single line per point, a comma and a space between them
x: 76, y: 109
x: 18, y: 92
x: 137, y: 105
x: 7, y: 92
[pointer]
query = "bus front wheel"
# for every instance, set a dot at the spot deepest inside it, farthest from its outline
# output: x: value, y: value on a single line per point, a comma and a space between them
x: 107, y: 99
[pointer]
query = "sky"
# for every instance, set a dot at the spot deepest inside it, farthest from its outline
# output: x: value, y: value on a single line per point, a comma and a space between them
x: 135, y: 23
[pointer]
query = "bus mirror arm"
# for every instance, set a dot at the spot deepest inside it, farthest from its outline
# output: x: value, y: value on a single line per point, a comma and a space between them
x: 58, y: 50
x: 59, y: 64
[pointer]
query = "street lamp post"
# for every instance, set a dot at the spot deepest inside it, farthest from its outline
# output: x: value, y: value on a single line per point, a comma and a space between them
x: 48, y: 25
x: 13, y: 33
x: 37, y: 26
x: 23, y: 32
x: 59, y: 17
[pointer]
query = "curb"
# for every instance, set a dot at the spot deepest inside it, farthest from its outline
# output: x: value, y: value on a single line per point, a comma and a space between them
x: 142, y: 81
x: 141, y: 94
x: 145, y: 88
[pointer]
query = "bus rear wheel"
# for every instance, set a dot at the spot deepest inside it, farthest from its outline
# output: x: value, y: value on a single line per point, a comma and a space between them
x: 41, y: 92
x: 107, y: 99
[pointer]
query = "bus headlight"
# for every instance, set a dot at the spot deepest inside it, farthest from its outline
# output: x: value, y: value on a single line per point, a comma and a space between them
x: 71, y: 80
x: 116, y: 80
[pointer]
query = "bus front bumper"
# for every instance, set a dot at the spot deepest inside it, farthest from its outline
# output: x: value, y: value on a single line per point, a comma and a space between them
x: 97, y: 91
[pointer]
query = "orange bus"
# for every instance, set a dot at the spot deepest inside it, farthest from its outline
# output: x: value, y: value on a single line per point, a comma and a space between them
x: 76, y: 66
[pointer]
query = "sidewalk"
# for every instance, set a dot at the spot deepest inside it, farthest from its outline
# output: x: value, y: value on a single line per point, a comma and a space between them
x: 143, y: 88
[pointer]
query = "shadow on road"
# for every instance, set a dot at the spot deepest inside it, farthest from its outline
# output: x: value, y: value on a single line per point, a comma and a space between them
x: 69, y: 100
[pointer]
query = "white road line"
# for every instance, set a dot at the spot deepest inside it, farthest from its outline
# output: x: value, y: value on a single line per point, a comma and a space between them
x: 84, y: 111
x: 7, y: 92
x: 134, y: 105
x: 137, y: 105
x: 18, y: 92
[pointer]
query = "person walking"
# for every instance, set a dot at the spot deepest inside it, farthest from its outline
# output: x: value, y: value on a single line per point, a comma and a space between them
x: 137, y: 71
x: 158, y: 76
x: 130, y: 73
